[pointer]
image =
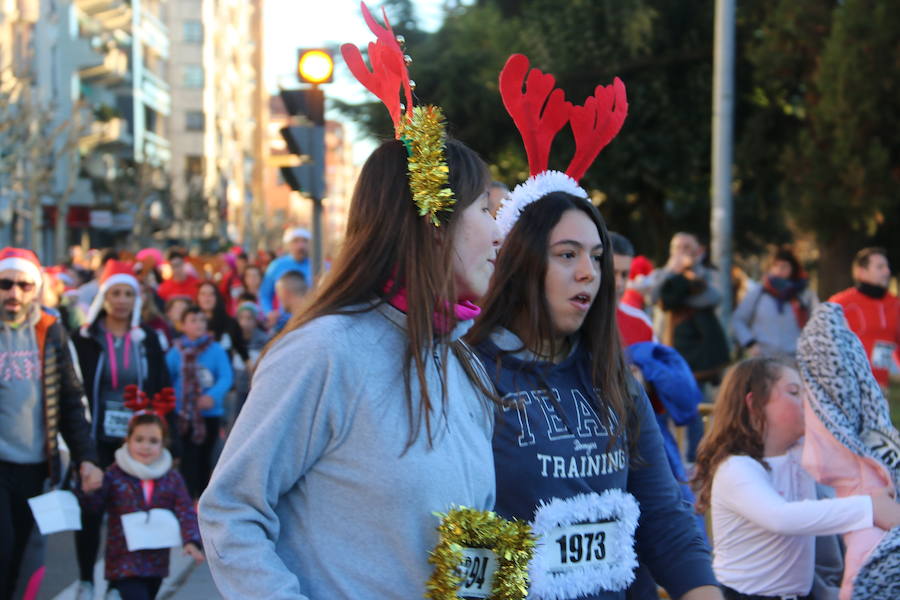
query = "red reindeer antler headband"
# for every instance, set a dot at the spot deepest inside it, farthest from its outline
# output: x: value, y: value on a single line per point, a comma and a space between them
x: 389, y: 75
x: 421, y: 128
x: 540, y: 112
x: 163, y: 402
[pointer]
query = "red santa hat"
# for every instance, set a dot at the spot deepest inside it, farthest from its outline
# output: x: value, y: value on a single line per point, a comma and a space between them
x: 117, y: 272
x: 22, y: 259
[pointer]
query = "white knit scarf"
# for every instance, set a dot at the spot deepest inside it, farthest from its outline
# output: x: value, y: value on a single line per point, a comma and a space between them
x: 154, y: 470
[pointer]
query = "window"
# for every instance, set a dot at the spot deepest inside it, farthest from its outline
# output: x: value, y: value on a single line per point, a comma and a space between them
x: 193, y: 32
x: 194, y: 120
x: 193, y: 76
x: 193, y: 167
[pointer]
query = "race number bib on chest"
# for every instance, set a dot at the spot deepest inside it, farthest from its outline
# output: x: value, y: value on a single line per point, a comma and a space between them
x: 115, y: 419
x: 883, y: 355
x: 585, y: 545
x: 479, y: 555
x: 477, y: 573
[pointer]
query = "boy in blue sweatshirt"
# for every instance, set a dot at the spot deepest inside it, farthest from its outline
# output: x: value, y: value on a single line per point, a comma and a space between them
x: 201, y: 375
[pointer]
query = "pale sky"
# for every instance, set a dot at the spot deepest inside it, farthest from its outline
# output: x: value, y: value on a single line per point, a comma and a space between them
x: 292, y: 24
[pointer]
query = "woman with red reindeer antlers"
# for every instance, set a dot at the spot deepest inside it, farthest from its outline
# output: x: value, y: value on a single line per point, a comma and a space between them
x: 365, y: 415
x: 141, y: 486
x: 578, y: 451
x: 114, y: 351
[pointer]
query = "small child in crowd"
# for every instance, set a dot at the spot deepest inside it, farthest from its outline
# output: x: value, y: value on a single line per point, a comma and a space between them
x: 141, y: 479
x: 249, y: 318
x: 290, y: 290
x: 765, y: 514
x: 201, y: 374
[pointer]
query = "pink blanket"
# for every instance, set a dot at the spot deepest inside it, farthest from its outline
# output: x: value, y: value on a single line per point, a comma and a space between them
x: 832, y: 464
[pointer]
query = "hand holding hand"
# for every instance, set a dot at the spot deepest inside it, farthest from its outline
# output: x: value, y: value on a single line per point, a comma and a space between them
x: 91, y: 477
x: 191, y: 549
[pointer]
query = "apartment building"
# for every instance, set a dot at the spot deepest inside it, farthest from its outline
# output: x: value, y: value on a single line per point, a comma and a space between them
x: 216, y: 77
x: 89, y: 77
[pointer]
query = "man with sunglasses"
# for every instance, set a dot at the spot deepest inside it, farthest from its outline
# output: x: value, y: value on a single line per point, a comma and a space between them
x: 40, y: 396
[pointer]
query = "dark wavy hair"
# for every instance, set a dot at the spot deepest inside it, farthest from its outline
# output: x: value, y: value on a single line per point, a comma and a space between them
x: 517, y: 301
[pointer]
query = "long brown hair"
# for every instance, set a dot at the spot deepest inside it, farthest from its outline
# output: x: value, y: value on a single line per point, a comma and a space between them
x: 517, y: 301
x: 387, y: 248
x: 738, y: 421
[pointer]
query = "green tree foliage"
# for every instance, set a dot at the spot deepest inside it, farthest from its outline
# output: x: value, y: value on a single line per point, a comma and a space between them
x: 816, y: 110
x: 827, y: 81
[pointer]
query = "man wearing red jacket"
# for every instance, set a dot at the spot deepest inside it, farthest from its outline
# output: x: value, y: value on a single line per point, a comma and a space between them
x: 634, y: 324
x: 181, y: 283
x: 872, y: 312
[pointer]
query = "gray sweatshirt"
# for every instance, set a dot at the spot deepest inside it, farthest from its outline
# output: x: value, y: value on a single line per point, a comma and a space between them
x: 758, y: 318
x: 314, y: 496
x: 22, y: 424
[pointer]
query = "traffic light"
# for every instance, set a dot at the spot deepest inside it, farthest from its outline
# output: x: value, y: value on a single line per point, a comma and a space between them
x: 305, y: 105
x: 315, y: 65
x: 305, y: 138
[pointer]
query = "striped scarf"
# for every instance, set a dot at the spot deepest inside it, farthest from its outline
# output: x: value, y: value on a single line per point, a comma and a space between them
x: 189, y: 417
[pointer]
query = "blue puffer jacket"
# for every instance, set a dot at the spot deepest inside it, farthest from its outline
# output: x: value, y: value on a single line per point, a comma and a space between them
x: 671, y: 376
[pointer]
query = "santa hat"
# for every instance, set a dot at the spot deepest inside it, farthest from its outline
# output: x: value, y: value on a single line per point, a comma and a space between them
x: 641, y: 265
x: 150, y: 257
x: 22, y: 259
x: 117, y: 272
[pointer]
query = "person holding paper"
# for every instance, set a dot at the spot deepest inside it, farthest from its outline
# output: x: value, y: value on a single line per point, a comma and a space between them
x: 40, y: 396
x: 148, y: 505
x: 114, y: 351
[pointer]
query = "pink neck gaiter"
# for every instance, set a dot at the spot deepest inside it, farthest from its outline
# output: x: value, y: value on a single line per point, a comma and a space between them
x: 463, y: 310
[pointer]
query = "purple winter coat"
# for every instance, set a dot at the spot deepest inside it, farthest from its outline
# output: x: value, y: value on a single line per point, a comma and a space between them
x: 122, y: 494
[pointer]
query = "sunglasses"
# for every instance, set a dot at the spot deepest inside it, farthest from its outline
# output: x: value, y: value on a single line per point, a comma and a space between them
x: 7, y: 284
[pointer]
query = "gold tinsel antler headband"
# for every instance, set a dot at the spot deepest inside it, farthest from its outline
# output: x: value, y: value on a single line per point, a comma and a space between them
x: 420, y: 128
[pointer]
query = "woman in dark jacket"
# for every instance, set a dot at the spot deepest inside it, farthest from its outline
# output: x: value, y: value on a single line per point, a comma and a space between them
x: 224, y: 328
x: 114, y: 351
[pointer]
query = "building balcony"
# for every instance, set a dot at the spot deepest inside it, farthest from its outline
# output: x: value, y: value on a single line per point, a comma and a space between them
x: 156, y: 92
x: 157, y: 149
x: 112, y: 14
x: 82, y: 54
x: 113, y: 68
x: 105, y: 133
x: 155, y: 34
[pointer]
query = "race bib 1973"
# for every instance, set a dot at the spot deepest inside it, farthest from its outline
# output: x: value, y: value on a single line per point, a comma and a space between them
x: 585, y: 545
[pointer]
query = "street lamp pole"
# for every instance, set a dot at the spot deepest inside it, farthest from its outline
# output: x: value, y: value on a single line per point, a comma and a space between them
x: 721, y: 218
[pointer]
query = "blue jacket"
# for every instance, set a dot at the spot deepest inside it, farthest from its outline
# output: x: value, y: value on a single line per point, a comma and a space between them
x: 213, y: 360
x: 677, y: 389
x: 556, y: 445
x: 671, y: 376
x: 277, y: 268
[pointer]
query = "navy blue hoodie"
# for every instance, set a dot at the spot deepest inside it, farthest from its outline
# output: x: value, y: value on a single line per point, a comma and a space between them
x: 557, y: 446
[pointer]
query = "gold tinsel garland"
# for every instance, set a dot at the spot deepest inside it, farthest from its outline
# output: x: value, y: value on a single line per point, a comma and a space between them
x: 423, y: 135
x: 511, y: 541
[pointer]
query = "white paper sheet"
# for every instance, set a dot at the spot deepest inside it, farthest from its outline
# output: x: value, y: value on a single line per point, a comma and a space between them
x: 56, y: 511
x: 157, y: 528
